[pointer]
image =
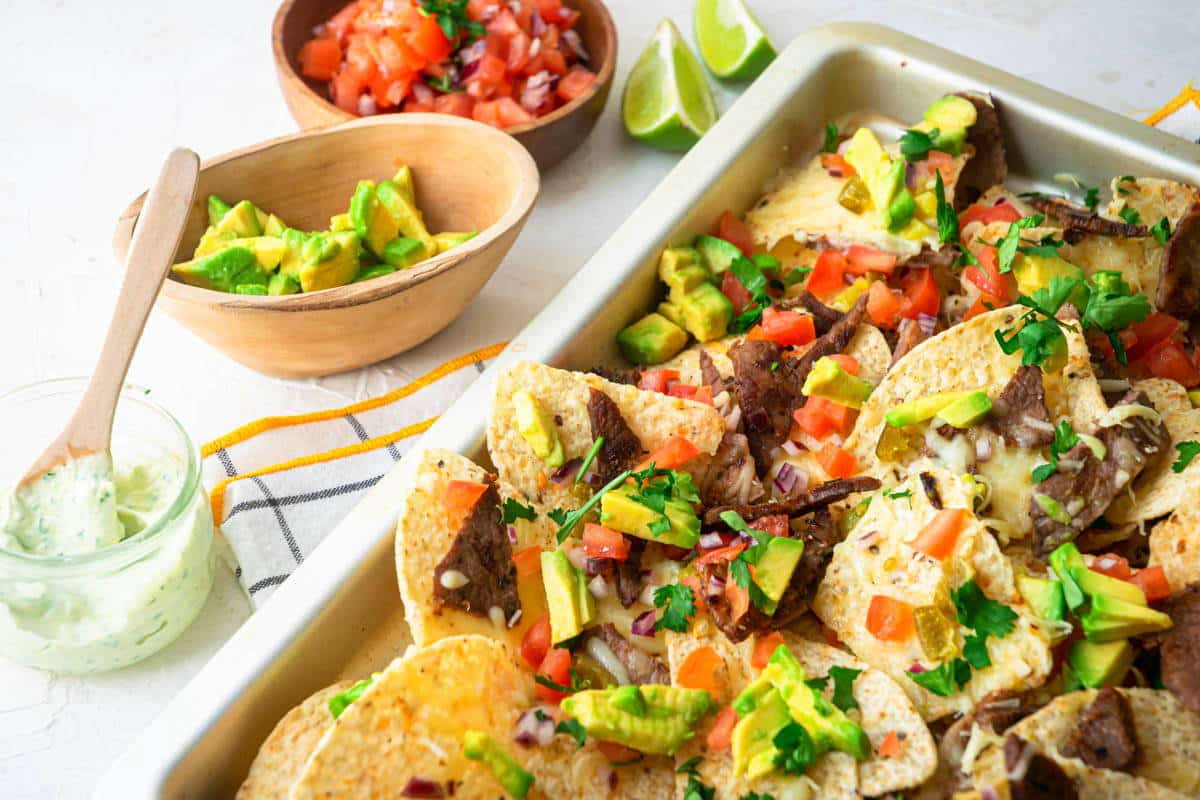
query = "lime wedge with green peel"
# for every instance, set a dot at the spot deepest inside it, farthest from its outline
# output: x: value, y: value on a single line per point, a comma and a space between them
x: 732, y: 41
x: 667, y: 100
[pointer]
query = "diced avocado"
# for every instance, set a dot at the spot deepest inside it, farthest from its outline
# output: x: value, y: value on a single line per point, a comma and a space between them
x: 1108, y: 619
x: 947, y: 140
x: 827, y: 379
x: 262, y: 218
x: 341, y: 222
x: 404, y: 183
x: 217, y: 209
x: 268, y: 250
x: 250, y: 288
x: 671, y: 311
x: 926, y: 204
x: 706, y: 312
x: 901, y: 210
x: 404, y: 213
x: 212, y: 241
x: 915, y: 231
x: 775, y: 567
x: 1194, y: 396
x: 293, y: 253
x: 537, y: 429
x: 1034, y: 272
x: 448, y: 240
x: 281, y: 284
x: 241, y: 221
x: 1044, y: 596
x: 1052, y: 508
x: 274, y: 226
x: 1081, y: 583
x: 966, y: 411
x: 620, y: 511
x: 571, y: 604
x: 1064, y: 560
x: 680, y: 269
x: 653, y: 339
x: 221, y: 271
x: 402, y: 252
x: 716, y: 254
x: 752, y: 743
x: 687, y: 279
x: 666, y: 723
x: 512, y: 777
x: 951, y: 113
x: 1099, y: 664
x: 922, y: 408
x: 884, y: 178
x: 362, y: 204
x: 329, y: 260
x: 867, y: 156
x: 629, y: 699
x: 845, y: 299
x: 374, y: 271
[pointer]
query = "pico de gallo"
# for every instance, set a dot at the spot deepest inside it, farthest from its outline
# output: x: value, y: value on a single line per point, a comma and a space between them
x: 501, y: 62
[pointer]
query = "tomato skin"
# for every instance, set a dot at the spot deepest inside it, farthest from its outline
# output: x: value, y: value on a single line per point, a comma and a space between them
x: 788, y: 328
x: 685, y: 391
x: 1149, y: 332
x: 1112, y: 565
x: 557, y: 667
x: 891, y: 746
x: 574, y: 83
x: 983, y: 304
x: 988, y: 277
x: 883, y: 306
x: 460, y: 104
x: 837, y: 462
x: 536, y: 642
x: 1169, y: 360
x: 889, y: 619
x: 339, y: 26
x: 819, y: 417
x: 835, y: 164
x: 937, y: 161
x: 860, y: 260
x: 460, y: 497
x: 699, y: 670
x: 937, y: 539
x: 921, y: 295
x: 656, y: 380
x: 1153, y: 583
x: 1001, y: 212
x: 677, y: 451
x: 602, y: 542
x: 764, y: 645
x: 736, y: 232
x: 720, y: 736
x: 320, y: 59
x: 738, y: 294
x: 430, y: 41
x: 828, y: 275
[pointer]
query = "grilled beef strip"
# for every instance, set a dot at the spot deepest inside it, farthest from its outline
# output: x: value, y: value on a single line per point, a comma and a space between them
x: 643, y: 668
x: 1104, y: 735
x: 728, y: 478
x: 908, y: 336
x: 1179, y: 281
x: 819, y: 496
x: 629, y: 377
x: 1019, y: 413
x: 1033, y: 775
x: 621, y: 447
x: 1180, y: 652
x: 1083, y: 494
x: 710, y: 374
x: 629, y: 572
x: 989, y: 166
x: 1078, y: 221
x: 999, y: 710
x: 824, y: 317
x: 481, y: 553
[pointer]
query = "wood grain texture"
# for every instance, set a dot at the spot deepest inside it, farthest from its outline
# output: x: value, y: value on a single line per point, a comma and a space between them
x: 549, y: 139
x: 468, y: 177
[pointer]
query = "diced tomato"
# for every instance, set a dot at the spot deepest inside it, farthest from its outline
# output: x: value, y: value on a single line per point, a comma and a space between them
x: 556, y: 665
x: 921, y: 295
x: 518, y: 52
x: 819, y: 417
x: 574, y: 83
x: 553, y: 61
x: 618, y: 753
x: 889, y: 619
x: 720, y: 554
x: 700, y: 670
x: 937, y: 539
x: 738, y: 598
x: 511, y: 113
x: 485, y: 111
x: 828, y: 275
x: 656, y: 380
x: 848, y: 363
x: 429, y: 40
x: 883, y: 305
x: 1001, y: 212
x: 528, y: 561
x: 489, y: 72
x: 320, y: 59
x: 736, y: 232
x: 536, y: 642
x: 550, y: 10
x: 830, y: 636
x: 983, y: 304
x: 1149, y: 332
x: 732, y: 288
x: 362, y: 57
x: 788, y: 328
x: 1169, y: 360
x: 347, y: 87
x: 774, y: 524
x: 602, y: 542
x: 460, y: 497
x: 1153, y: 583
x: 987, y: 275
x: 1112, y: 565
x: 837, y: 165
x: 478, y: 9
x: 891, y: 746
x: 460, y: 104
x: 720, y: 736
x: 339, y: 26
x: 674, y: 454
x: 757, y: 334
x: 764, y: 645
x: 397, y: 58
x: 937, y: 161
x: 860, y: 260
x: 700, y: 394
x: 504, y: 24
x: 692, y: 582
x: 837, y: 462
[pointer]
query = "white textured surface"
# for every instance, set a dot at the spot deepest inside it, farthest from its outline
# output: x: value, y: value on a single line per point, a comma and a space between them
x: 97, y: 93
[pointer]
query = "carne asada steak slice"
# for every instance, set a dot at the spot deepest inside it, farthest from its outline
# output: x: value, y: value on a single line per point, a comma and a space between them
x: 1033, y: 775
x: 477, y: 574
x: 1104, y: 735
x: 1179, y: 282
x: 629, y: 572
x: 728, y: 478
x: 908, y: 336
x: 621, y: 448
x: 819, y: 496
x: 710, y: 374
x: 1019, y: 413
x: 824, y: 317
x: 989, y: 166
x: 1069, y: 501
x: 1077, y: 220
x: 1180, y: 653
x: 643, y: 668
x: 628, y: 377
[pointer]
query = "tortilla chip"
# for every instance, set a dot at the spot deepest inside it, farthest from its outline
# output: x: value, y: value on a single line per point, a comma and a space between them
x: 654, y: 417
x: 424, y: 536
x: 283, y: 755
x: 1160, y: 490
x: 1153, y: 199
x: 1168, y: 736
x: 877, y: 559
x: 687, y: 363
x: 411, y: 721
x: 1137, y: 259
x: 1175, y: 544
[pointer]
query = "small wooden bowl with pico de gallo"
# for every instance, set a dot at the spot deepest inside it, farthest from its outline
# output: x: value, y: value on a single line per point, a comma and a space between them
x: 541, y: 70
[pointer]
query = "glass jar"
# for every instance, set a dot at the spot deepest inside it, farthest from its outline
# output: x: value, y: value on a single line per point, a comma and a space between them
x: 111, y: 607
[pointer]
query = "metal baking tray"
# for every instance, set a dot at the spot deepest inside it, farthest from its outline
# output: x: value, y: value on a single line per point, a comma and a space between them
x: 340, y: 614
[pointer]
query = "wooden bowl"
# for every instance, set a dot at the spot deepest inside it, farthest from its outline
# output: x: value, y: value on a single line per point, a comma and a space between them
x: 468, y: 176
x: 550, y: 138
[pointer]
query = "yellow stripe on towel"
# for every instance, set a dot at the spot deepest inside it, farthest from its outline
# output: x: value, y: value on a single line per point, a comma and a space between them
x: 1186, y: 95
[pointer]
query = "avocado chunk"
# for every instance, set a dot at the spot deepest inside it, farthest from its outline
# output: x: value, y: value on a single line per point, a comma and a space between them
x: 402, y: 252
x: 221, y: 271
x: 212, y: 241
x: 883, y: 176
x: 630, y: 700
x: 921, y: 409
x: 653, y: 339
x: 374, y: 271
x: 681, y: 269
x: 571, y: 604
x: 217, y: 209
x: 241, y: 221
x: 947, y: 140
x: 678, y: 525
x: 827, y: 379
x: 404, y: 183
x: 1109, y: 618
x: 1081, y: 584
x: 537, y: 429
x: 716, y: 254
x: 1099, y: 664
x: 512, y: 777
x: 951, y: 113
x: 706, y: 312
x: 775, y: 567
x: 752, y: 744
x: 268, y: 250
x: 293, y: 251
x: 329, y: 260
x: 281, y: 284
x: 966, y: 411
x: 1194, y: 397
x: 250, y: 288
x: 845, y: 299
x: 665, y: 723
x: 903, y: 207
x: 449, y: 240
x: 404, y: 213
x: 1035, y: 272
x: 671, y: 311
x: 1044, y: 596
x: 341, y: 222
x: 273, y: 226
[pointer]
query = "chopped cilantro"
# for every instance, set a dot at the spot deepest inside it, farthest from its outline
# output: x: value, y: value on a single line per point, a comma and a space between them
x: 979, y: 612
x: 341, y: 701
x: 1161, y: 230
x: 576, y: 684
x: 898, y: 494
x: 689, y: 767
x: 774, y: 366
x: 739, y: 568
x: 797, y: 275
x: 1064, y: 439
x: 513, y: 510
x: 943, y: 679
x: 765, y: 261
x: 452, y: 18
x: 831, y: 138
x: 1006, y: 248
x: 757, y: 796
x: 678, y: 605
x: 1111, y: 306
x: 571, y: 519
x: 947, y: 220
x: 915, y: 145
x: 1047, y: 247
x: 1130, y: 215
x: 749, y: 273
x: 737, y: 523
x: 796, y: 749
x: 558, y: 515
x: 975, y: 651
x: 572, y: 728
x: 1121, y: 190
x: 696, y: 790
x: 589, y: 458
x: 1091, y: 198
x: 1187, y: 451
x: 843, y: 687
x: 443, y: 83
x: 967, y: 259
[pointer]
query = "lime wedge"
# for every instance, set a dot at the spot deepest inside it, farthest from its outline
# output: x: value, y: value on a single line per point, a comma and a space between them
x: 732, y: 41
x: 667, y: 100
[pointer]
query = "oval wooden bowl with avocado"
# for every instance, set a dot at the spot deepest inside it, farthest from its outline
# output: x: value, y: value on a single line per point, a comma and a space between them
x: 469, y: 177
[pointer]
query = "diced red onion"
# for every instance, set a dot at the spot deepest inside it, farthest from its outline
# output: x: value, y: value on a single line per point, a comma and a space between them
x: 849, y: 279
x: 867, y: 538
x: 534, y: 732
x: 988, y: 793
x: 983, y: 448
x: 598, y: 587
x: 423, y: 94
x: 917, y: 668
x: 536, y: 90
x: 535, y: 47
x: 715, y: 587
x: 835, y: 171
x: 644, y: 624
x: 576, y: 43
x: 512, y: 534
x: 366, y: 106
x: 910, y: 175
x: 537, y: 25
x: 418, y: 787
x: 843, y: 146
x: 577, y: 557
x: 785, y: 479
x: 710, y: 541
x: 791, y: 448
x: 566, y: 473
x: 927, y: 323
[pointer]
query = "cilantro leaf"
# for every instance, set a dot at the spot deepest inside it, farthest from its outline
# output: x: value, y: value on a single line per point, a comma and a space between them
x: 797, y: 275
x: 739, y: 572
x: 589, y: 458
x: 757, y: 796
x: 678, y: 605
x: 576, y: 684
x: 979, y: 612
x: 843, y: 687
x: 915, y: 145
x: 1130, y: 215
x: 796, y: 749
x: 1047, y: 247
x: 1064, y: 439
x: 1112, y: 306
x: 749, y: 273
x: 737, y: 522
x: 1043, y: 471
x: 1006, y: 249
x: 943, y: 679
x: 1161, y: 230
x: 452, y: 18
x: 1121, y: 181
x: 558, y: 515
x: 1039, y: 341
x: 897, y: 494
x: 572, y: 728
x: 443, y: 83
x: 1187, y: 451
x: 1091, y: 198
x: 696, y: 790
x: 975, y: 651
x: 1050, y: 299
x: 831, y: 138
x: 947, y: 220
x: 342, y: 700
x: 689, y: 767
x: 571, y: 519
x: 513, y: 510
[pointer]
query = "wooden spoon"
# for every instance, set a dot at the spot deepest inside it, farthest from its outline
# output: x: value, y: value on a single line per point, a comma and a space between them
x: 159, y: 229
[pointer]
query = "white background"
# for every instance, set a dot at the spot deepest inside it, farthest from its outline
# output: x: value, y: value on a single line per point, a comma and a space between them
x: 95, y: 93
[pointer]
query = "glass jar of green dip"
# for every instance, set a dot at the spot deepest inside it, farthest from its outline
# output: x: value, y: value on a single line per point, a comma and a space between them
x: 86, y: 592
